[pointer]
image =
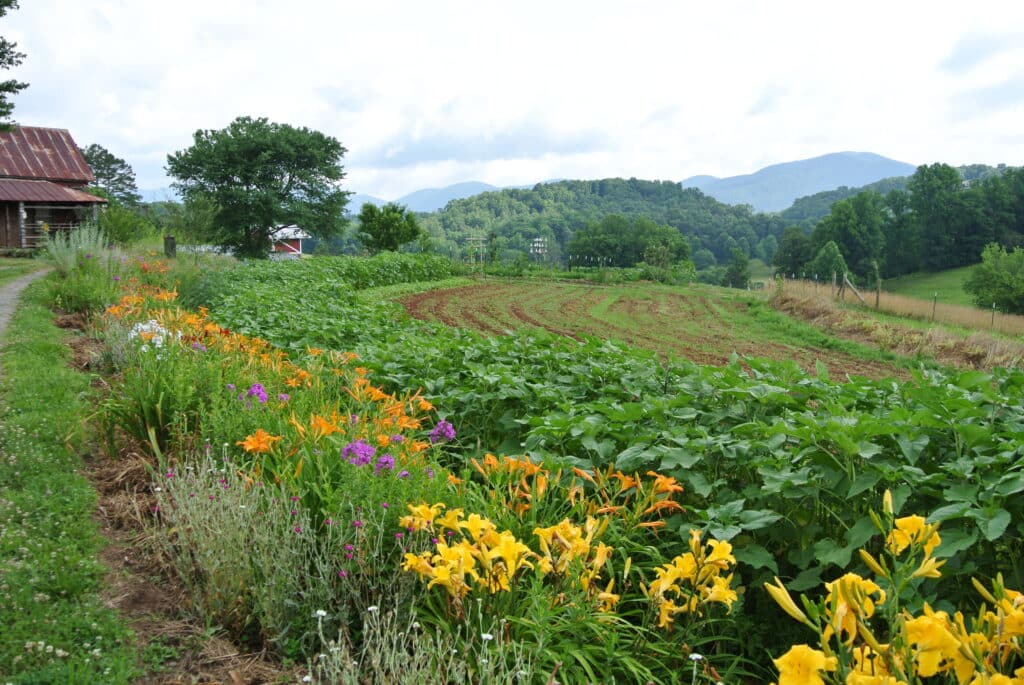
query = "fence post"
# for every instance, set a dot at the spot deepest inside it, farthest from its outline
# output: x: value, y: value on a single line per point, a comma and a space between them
x: 170, y: 246
x: 935, y: 302
x: 993, y: 315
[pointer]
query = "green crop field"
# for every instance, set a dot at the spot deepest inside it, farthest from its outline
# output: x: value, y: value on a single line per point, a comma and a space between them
x: 537, y: 483
x: 701, y: 323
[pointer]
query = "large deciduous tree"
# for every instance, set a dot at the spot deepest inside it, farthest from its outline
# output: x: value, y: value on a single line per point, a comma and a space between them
x: 794, y: 252
x: 262, y: 175
x: 388, y: 227
x: 737, y: 274
x: 999, y: 279
x: 113, y: 174
x: 617, y: 241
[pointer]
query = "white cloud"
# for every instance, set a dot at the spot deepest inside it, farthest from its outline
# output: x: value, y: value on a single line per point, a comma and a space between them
x: 523, y: 92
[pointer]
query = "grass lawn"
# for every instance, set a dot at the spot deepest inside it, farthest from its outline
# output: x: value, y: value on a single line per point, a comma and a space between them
x: 924, y: 285
x: 56, y: 628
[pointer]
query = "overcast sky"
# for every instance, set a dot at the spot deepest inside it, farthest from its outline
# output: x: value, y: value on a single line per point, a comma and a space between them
x: 425, y: 94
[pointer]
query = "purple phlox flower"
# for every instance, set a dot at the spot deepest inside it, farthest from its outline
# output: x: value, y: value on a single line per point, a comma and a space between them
x: 385, y: 505
x: 199, y: 346
x: 353, y: 418
x: 403, y: 474
x: 397, y: 438
x: 430, y: 472
x: 442, y: 431
x: 256, y: 390
x: 88, y: 255
x: 241, y: 396
x: 284, y: 397
x: 230, y: 386
x: 117, y: 278
x: 358, y: 453
x: 384, y: 462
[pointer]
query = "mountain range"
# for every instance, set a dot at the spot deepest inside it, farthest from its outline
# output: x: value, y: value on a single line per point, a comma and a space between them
x: 775, y: 187
x: 771, y: 189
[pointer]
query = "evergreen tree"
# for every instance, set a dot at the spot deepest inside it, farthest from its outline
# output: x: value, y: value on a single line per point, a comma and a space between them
x: 9, y: 57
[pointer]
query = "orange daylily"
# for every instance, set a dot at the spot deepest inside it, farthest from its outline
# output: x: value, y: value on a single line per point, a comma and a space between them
x: 260, y: 442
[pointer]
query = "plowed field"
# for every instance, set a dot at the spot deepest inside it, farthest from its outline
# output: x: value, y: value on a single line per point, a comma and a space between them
x: 697, y: 323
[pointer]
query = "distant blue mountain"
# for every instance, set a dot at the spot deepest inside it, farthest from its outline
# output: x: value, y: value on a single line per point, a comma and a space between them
x: 774, y: 188
x: 158, y: 195
x: 356, y: 202
x: 431, y: 199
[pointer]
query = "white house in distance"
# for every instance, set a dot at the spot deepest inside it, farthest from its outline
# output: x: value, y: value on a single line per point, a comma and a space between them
x: 287, y: 242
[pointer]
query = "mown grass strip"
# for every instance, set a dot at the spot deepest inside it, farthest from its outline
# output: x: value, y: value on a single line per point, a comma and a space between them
x: 55, y: 626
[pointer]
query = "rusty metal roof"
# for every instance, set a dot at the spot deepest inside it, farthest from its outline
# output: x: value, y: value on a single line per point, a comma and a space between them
x: 42, y: 153
x: 20, y: 190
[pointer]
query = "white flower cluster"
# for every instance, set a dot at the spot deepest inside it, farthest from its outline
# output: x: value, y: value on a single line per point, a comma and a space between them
x: 151, y: 333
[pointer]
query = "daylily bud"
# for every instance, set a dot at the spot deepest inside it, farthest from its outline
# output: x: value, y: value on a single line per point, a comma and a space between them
x: 781, y: 596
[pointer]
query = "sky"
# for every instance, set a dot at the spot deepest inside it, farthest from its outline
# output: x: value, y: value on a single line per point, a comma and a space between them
x: 426, y: 94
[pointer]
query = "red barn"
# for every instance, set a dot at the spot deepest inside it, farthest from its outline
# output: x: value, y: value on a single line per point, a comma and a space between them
x: 287, y: 241
x: 43, y: 177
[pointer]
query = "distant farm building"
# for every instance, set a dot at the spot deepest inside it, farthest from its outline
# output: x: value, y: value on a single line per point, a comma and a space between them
x: 43, y: 177
x: 287, y: 241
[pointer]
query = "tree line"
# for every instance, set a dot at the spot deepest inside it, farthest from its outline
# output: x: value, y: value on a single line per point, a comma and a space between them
x: 939, y: 221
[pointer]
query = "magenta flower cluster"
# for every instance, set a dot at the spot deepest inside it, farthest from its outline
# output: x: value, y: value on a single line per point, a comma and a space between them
x: 358, y: 453
x: 443, y: 431
x: 256, y: 390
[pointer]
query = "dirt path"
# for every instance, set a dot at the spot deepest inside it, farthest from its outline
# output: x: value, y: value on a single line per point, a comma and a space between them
x: 11, y: 292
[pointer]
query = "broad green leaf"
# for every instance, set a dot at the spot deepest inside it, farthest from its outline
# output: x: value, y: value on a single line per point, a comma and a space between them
x: 757, y: 556
x: 864, y: 481
x: 807, y: 579
x: 723, y: 531
x: 992, y: 526
x: 955, y: 540
x: 752, y: 519
x: 950, y: 511
x: 677, y: 457
x: 961, y: 492
x: 1011, y: 483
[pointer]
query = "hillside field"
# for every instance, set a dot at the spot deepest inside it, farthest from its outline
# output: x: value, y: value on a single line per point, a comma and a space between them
x: 706, y: 325
x: 949, y: 285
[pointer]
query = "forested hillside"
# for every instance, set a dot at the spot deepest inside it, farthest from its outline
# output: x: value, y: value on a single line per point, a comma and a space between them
x: 944, y: 218
x: 807, y: 211
x: 506, y: 223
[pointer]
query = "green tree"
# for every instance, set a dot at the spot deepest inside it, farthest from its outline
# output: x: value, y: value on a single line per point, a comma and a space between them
x: 262, y: 175
x: 828, y: 262
x: 934, y: 194
x: 999, y: 279
x: 388, y: 227
x: 737, y: 274
x: 9, y: 57
x: 793, y: 253
x: 617, y: 241
x: 902, y: 240
x: 113, y: 174
x: 855, y: 225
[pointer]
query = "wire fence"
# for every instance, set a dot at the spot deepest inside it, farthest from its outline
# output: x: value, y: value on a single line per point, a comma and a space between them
x: 902, y: 305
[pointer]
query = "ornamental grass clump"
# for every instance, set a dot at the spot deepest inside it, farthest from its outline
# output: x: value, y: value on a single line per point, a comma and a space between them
x: 87, y: 271
x: 886, y: 632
